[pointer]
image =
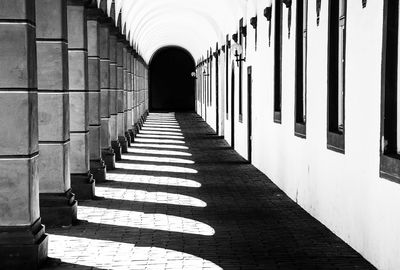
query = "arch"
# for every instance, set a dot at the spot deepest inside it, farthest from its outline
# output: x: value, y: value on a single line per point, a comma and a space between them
x: 172, y: 88
x: 151, y: 25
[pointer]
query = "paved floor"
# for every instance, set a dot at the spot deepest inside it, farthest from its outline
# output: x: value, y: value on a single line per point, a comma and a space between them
x: 182, y: 199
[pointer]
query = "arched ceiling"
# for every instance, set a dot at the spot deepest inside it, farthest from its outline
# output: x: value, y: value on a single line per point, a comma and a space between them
x: 195, y: 25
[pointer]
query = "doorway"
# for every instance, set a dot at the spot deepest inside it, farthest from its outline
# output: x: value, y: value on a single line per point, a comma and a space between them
x: 172, y: 87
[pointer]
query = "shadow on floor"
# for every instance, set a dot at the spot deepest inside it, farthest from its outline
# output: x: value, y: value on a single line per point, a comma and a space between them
x: 227, y: 215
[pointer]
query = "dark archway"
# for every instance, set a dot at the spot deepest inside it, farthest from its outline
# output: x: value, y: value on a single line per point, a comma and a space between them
x: 172, y: 87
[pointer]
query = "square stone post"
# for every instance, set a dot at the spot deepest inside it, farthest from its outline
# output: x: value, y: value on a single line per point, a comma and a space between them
x: 23, y: 242
x: 82, y: 181
x: 57, y: 202
x: 97, y: 166
x: 121, y: 92
x: 131, y: 98
x: 106, y: 149
x: 113, y: 94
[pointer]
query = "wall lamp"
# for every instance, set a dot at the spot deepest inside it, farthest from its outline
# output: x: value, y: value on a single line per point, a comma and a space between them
x: 235, y: 37
x: 288, y: 3
x: 364, y: 3
x: 253, y: 22
x: 238, y: 49
x: 268, y: 11
x: 205, y: 70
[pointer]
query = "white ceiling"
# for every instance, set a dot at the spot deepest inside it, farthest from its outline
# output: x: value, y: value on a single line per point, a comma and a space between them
x: 195, y: 25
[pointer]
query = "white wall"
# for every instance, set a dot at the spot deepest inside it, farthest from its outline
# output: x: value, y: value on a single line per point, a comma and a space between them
x: 343, y: 191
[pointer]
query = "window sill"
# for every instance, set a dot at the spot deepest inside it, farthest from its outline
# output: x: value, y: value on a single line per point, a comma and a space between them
x: 335, y: 142
x: 390, y: 167
x: 278, y: 117
x: 300, y: 130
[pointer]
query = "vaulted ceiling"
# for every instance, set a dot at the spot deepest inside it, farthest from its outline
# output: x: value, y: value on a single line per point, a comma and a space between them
x: 195, y: 25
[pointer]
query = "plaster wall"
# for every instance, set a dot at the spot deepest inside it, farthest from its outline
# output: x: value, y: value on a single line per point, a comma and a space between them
x: 343, y: 191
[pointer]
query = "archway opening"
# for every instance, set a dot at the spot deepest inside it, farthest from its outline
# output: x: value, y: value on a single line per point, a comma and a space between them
x: 172, y: 88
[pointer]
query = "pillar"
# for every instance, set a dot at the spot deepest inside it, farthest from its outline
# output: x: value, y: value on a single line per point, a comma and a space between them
x: 82, y: 181
x: 97, y: 165
x: 113, y: 94
x: 131, y: 97
x: 106, y: 149
x: 57, y: 202
x: 121, y: 73
x: 137, y: 96
x: 23, y: 242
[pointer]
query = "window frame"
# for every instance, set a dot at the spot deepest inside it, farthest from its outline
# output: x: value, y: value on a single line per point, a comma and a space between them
x: 300, y: 125
x: 278, y: 62
x: 336, y: 80
x: 389, y: 167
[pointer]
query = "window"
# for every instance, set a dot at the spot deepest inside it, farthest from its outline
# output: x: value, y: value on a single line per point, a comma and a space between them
x: 241, y: 72
x: 227, y: 77
x: 390, y: 148
x: 210, y: 78
x: 301, y: 68
x: 278, y: 63
x: 336, y: 74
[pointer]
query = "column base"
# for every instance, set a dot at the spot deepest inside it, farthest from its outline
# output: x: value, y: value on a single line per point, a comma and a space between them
x: 23, y: 247
x: 98, y: 169
x: 58, y: 209
x: 137, y: 128
x: 83, y: 185
x: 108, y: 156
x: 124, y: 144
x: 128, y: 138
x: 132, y: 134
x: 117, y: 149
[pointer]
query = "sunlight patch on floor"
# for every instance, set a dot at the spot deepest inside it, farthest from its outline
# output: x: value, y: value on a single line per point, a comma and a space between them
x: 141, y: 220
x: 158, y: 152
x: 161, y: 129
x: 162, y: 123
x: 148, y: 197
x: 154, y: 145
x: 113, y: 255
x: 157, y: 159
x: 147, y: 140
x: 168, y: 122
x: 160, y: 132
x: 154, y: 168
x: 152, y: 180
x: 159, y: 136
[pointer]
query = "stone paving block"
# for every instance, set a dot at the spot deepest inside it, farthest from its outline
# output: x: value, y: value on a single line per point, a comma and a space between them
x: 191, y: 202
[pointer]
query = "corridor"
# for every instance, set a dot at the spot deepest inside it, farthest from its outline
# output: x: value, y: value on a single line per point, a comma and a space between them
x: 181, y: 198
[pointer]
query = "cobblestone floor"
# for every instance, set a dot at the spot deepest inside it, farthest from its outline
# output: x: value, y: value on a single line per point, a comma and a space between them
x: 182, y: 199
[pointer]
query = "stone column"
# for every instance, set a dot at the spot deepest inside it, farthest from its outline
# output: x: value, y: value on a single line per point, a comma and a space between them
x: 129, y: 98
x: 137, y: 95
x: 23, y: 242
x: 122, y: 137
x: 113, y: 94
x: 106, y: 150
x: 132, y: 98
x: 97, y: 166
x: 57, y: 202
x: 121, y: 92
x: 81, y: 179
